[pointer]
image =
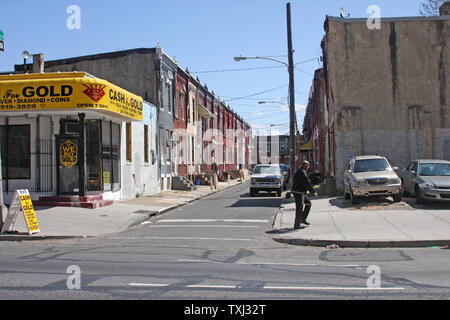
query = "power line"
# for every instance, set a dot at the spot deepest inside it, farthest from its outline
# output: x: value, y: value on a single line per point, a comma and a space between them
x: 239, y: 69
x: 258, y: 93
x: 254, y: 68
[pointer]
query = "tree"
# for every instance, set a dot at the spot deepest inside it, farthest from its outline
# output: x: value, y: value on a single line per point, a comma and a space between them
x: 430, y: 7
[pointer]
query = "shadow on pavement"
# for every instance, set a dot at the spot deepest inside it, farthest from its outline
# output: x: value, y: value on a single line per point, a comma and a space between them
x: 267, y: 203
x: 280, y: 231
x: 388, y: 204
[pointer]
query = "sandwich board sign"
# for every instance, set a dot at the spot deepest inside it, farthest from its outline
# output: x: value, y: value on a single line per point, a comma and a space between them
x: 21, y: 202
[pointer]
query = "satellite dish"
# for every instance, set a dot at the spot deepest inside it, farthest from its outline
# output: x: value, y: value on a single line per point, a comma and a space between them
x: 343, y: 15
x: 26, y: 54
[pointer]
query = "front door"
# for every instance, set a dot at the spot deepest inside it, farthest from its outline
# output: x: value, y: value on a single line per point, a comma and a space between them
x: 68, y: 174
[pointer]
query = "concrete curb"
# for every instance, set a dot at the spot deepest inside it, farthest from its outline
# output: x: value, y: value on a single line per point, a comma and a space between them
x: 26, y: 237
x: 366, y: 243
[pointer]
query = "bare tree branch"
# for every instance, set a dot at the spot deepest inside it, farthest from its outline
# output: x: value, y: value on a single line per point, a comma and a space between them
x: 430, y: 7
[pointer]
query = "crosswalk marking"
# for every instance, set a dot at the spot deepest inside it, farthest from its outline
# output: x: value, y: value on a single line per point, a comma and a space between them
x: 212, y: 220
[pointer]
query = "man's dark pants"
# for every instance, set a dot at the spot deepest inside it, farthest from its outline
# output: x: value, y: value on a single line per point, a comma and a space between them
x: 302, y: 207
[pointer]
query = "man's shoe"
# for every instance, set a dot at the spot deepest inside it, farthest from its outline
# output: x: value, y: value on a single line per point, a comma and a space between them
x: 306, y: 222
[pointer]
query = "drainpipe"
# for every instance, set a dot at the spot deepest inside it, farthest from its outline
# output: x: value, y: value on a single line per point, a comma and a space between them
x: 3, y: 209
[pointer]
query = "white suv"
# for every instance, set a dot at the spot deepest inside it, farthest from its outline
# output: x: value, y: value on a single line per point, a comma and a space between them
x: 266, y: 177
x: 371, y: 176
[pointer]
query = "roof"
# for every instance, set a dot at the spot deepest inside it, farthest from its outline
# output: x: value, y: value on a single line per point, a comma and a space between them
x: 431, y: 160
x: 97, y: 56
x: 392, y: 19
x: 375, y: 156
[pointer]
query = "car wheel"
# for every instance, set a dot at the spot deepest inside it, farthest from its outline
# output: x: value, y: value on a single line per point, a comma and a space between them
x: 419, y: 199
x: 397, y: 197
x: 354, y: 198
x: 279, y: 192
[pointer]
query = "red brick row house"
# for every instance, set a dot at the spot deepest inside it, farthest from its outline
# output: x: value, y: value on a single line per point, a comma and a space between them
x: 209, y: 137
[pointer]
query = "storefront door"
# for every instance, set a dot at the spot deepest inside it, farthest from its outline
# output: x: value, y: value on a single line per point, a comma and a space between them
x: 68, y: 173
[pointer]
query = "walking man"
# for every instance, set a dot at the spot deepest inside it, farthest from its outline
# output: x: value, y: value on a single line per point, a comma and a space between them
x: 300, y: 187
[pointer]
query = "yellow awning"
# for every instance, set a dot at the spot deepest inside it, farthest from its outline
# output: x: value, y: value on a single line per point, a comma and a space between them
x: 306, y: 146
x: 67, y: 91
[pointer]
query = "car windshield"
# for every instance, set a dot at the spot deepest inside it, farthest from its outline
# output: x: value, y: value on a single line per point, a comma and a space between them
x: 266, y: 170
x: 434, y: 169
x: 371, y: 165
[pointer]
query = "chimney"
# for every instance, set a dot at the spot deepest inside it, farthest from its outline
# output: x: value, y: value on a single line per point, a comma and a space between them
x: 444, y: 10
x: 38, y: 63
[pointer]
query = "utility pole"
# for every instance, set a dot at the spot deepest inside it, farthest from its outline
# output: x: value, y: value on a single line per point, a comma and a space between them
x: 291, y: 95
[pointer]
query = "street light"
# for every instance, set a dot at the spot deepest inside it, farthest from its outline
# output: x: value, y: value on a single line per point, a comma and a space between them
x: 241, y: 58
x: 279, y: 102
x: 290, y: 67
x: 26, y: 55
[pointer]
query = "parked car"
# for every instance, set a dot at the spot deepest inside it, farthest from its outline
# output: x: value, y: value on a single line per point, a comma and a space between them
x: 266, y: 177
x: 371, y: 175
x: 284, y: 168
x: 427, y: 180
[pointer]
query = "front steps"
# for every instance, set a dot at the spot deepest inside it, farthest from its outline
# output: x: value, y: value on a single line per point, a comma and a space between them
x: 90, y: 202
x: 181, y: 183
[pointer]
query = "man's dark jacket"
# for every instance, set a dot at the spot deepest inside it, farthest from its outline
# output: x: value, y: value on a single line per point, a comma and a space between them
x: 301, y: 182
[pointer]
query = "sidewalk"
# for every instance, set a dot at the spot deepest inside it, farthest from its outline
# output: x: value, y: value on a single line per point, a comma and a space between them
x: 334, y: 221
x: 72, y: 222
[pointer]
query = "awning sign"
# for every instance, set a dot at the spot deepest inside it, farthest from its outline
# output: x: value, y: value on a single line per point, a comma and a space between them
x: 21, y: 202
x: 68, y: 154
x: 82, y: 93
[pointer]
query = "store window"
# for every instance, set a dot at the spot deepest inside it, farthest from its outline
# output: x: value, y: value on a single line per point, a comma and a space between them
x: 111, y: 155
x: 16, y: 153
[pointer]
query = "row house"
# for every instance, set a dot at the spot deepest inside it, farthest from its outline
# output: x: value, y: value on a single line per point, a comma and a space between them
x: 382, y: 90
x: 315, y: 127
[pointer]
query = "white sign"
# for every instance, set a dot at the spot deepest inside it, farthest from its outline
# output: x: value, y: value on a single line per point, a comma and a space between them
x: 21, y: 202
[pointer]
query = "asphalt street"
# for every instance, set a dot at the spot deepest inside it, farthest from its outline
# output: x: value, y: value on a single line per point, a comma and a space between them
x: 217, y: 248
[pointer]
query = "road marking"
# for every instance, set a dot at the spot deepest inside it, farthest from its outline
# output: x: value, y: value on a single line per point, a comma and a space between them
x: 199, y: 226
x: 213, y: 220
x: 205, y: 286
x: 183, y: 238
x: 154, y: 285
x: 274, y: 263
x: 331, y: 288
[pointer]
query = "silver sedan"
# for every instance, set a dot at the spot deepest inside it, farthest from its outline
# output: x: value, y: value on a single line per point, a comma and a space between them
x: 427, y: 180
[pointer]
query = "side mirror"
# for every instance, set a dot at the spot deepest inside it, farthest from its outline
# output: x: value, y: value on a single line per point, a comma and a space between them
x: 413, y: 173
x: 395, y: 168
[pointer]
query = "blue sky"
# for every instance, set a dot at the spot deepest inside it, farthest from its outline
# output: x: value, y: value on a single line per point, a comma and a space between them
x: 203, y: 35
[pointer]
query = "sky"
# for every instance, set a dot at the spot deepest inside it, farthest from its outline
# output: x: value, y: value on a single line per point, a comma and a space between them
x: 202, y: 35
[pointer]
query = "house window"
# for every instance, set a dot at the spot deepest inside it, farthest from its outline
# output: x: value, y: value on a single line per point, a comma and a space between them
x: 182, y: 105
x: 15, y: 148
x: 146, y: 156
x: 168, y: 140
x: 128, y: 141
